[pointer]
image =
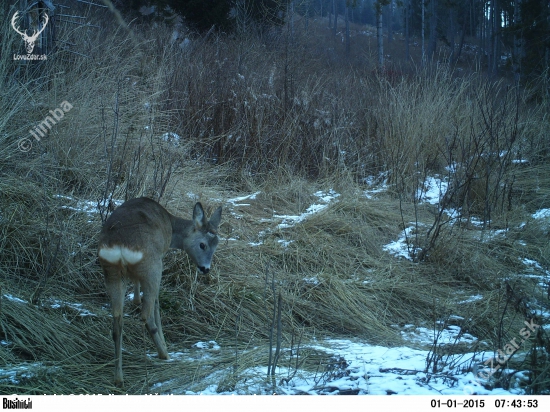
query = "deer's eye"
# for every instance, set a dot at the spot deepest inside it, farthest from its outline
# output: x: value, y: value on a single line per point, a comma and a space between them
x: 202, y: 246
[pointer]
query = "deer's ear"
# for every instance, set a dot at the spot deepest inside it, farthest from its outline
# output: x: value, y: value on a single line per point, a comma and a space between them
x: 199, y: 219
x: 215, y: 219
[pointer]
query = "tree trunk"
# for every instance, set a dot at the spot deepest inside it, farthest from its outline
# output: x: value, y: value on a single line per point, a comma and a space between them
x: 495, y: 37
x: 518, y: 41
x: 307, y: 14
x: 483, y: 31
x: 407, y: 35
x: 547, y: 58
x: 348, y: 45
x: 423, y: 31
x: 379, y: 34
x: 485, y: 36
x: 335, y: 12
x: 473, y: 31
x: 390, y: 21
x: 452, y: 30
x: 291, y: 15
x: 462, y: 37
x: 433, y: 29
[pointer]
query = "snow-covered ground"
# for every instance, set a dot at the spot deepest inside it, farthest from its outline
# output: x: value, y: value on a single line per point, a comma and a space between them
x: 356, y: 368
x: 360, y: 368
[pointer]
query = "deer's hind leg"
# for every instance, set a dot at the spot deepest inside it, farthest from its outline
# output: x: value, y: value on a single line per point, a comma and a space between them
x: 137, y: 293
x: 116, y: 289
x: 150, y: 312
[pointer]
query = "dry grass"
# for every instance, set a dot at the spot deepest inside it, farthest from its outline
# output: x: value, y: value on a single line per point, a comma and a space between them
x: 251, y: 117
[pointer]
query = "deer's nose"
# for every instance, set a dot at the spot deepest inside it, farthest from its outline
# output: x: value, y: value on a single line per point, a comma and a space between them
x: 204, y: 270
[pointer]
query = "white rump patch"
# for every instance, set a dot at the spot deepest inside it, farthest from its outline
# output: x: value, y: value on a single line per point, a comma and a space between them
x: 120, y: 254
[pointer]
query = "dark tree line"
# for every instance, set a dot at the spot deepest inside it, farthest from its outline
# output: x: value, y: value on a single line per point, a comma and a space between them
x: 508, y: 34
x: 224, y: 15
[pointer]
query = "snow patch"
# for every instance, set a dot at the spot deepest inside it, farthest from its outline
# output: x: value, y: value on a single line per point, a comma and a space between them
x: 452, y: 334
x: 210, y: 345
x: 235, y: 200
x: 541, y: 214
x: 377, y: 184
x: 401, y: 247
x: 292, y: 220
x: 471, y: 299
x: 432, y: 191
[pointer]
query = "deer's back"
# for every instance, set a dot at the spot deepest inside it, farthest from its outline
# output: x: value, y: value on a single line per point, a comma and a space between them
x: 140, y: 228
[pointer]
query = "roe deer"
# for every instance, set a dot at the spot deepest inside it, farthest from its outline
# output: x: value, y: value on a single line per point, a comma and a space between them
x: 132, y: 243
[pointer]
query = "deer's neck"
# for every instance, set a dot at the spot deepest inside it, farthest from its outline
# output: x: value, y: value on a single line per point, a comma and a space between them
x: 181, y: 230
